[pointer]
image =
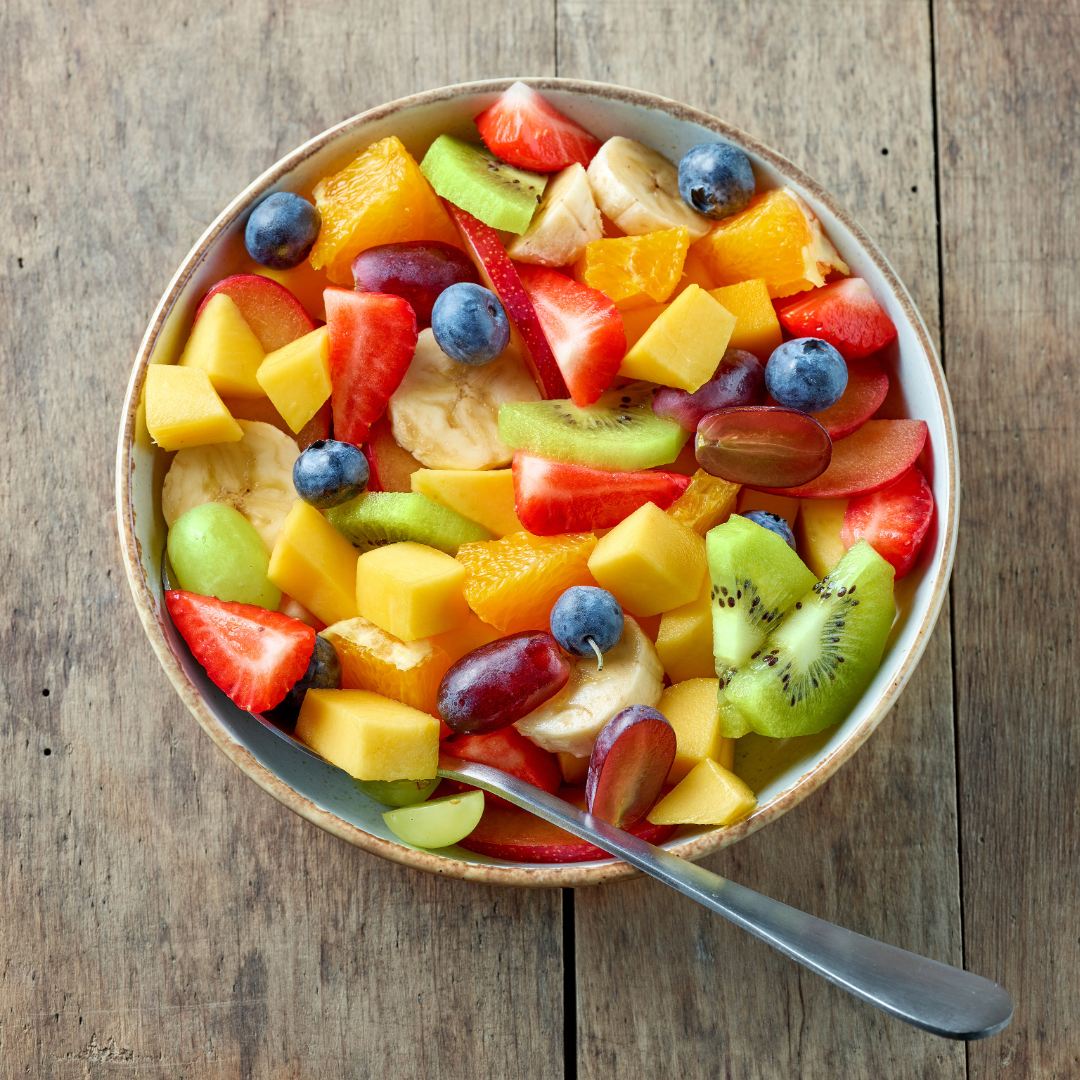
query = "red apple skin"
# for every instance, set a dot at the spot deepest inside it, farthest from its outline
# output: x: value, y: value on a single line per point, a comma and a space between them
x: 629, y: 763
x: 275, y: 316
x: 497, y: 271
x: 508, y: 832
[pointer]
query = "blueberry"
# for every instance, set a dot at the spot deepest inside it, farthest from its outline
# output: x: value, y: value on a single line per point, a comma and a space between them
x: 323, y: 673
x: 282, y: 230
x: 587, y: 621
x: 807, y: 374
x: 329, y: 473
x: 774, y: 523
x: 469, y: 324
x: 716, y: 179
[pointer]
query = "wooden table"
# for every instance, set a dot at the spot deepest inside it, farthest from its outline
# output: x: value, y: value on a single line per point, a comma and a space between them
x: 161, y: 916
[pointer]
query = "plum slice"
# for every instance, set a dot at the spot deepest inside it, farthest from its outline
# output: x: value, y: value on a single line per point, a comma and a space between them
x: 275, y: 316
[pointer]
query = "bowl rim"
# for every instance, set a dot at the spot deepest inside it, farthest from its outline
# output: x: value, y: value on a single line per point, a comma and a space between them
x: 543, y: 875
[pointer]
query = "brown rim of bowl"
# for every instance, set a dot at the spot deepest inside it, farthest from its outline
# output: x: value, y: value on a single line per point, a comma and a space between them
x: 567, y: 875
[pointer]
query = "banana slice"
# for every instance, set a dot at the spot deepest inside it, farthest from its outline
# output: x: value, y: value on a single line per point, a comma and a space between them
x: 569, y: 722
x: 638, y: 189
x: 446, y: 414
x: 566, y: 221
x: 253, y: 475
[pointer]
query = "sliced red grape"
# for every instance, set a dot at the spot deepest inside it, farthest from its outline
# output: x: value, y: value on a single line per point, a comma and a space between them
x: 763, y: 446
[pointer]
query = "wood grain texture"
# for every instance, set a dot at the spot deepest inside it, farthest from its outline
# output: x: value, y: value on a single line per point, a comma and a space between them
x: 664, y: 988
x: 161, y: 916
x: 1010, y: 132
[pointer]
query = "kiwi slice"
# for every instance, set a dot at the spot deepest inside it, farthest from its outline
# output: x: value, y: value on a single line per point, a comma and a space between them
x: 815, y: 665
x: 473, y: 178
x: 377, y: 518
x: 620, y: 432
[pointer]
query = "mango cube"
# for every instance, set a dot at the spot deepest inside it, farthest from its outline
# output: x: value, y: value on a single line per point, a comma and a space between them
x: 757, y: 329
x: 315, y: 564
x: 708, y: 795
x: 471, y: 634
x: 369, y: 736
x: 817, y: 533
x: 184, y: 409
x: 684, y: 641
x: 226, y: 348
x: 685, y: 345
x: 296, y: 378
x: 637, y: 320
x: 483, y: 496
x: 780, y: 505
x: 411, y: 590
x: 575, y: 770
x: 691, y: 709
x: 695, y: 272
x: 650, y: 562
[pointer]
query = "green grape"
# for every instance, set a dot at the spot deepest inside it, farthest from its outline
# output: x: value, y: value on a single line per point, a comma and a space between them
x: 215, y: 551
x: 398, y: 792
x: 437, y: 823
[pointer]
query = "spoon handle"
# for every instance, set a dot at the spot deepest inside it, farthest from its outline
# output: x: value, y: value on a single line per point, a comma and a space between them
x: 936, y: 997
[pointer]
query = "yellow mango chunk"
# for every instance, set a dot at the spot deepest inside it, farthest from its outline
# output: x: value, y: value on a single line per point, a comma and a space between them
x: 315, y: 564
x: 708, y: 795
x: 637, y: 320
x: 184, y: 409
x: 685, y: 345
x: 483, y: 496
x: 684, y: 642
x: 411, y: 590
x: 817, y: 533
x: 757, y: 329
x: 575, y: 770
x: 650, y: 562
x: 695, y: 272
x: 369, y: 736
x: 706, y: 503
x: 296, y: 378
x: 226, y: 348
x: 471, y: 634
x: 781, y: 505
x: 691, y: 708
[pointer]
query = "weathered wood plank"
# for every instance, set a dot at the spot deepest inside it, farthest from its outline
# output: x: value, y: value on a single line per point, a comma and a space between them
x: 1009, y: 130
x: 160, y: 913
x: 663, y: 988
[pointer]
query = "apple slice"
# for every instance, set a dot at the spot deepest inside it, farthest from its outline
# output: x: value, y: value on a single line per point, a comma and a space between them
x: 275, y: 316
x: 392, y: 466
x: 508, y: 832
x: 630, y: 761
x: 867, y: 387
x: 872, y: 458
x: 498, y: 274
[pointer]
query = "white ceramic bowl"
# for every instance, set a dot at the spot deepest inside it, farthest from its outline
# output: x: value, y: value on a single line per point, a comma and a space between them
x: 783, y: 774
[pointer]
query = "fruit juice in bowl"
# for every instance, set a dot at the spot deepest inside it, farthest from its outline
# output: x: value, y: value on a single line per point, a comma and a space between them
x: 622, y: 523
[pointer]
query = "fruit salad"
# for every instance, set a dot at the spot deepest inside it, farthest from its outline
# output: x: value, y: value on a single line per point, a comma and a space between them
x: 544, y: 452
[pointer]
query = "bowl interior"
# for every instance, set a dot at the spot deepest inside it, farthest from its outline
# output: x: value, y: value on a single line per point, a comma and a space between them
x: 782, y: 772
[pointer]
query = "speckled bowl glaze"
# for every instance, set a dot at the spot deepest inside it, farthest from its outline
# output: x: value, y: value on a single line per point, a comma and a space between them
x: 325, y: 795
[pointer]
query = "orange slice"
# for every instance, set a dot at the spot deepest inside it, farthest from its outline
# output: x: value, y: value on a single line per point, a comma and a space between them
x: 628, y: 266
x: 707, y: 502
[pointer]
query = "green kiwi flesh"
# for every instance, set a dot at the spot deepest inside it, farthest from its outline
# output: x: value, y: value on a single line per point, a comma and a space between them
x: 620, y: 432
x: 473, y: 178
x: 814, y: 666
x: 378, y: 518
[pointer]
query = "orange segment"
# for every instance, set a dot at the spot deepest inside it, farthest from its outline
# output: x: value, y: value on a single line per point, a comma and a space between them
x: 707, y: 502
x: 372, y: 659
x: 513, y: 583
x: 694, y: 272
x: 757, y: 329
x: 471, y: 635
x: 776, y: 238
x: 627, y: 266
x: 381, y: 198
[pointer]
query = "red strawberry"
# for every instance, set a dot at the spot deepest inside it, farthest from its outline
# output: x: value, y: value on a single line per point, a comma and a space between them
x: 372, y: 341
x: 893, y: 521
x: 254, y: 655
x: 551, y: 497
x: 527, y: 131
x: 582, y: 326
x: 510, y: 751
x: 845, y: 314
x: 867, y: 386
x: 275, y: 316
x: 498, y: 273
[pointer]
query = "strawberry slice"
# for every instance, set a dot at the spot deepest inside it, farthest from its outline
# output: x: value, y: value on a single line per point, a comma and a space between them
x: 510, y: 751
x: 254, y: 655
x: 500, y: 276
x: 275, y: 316
x: 845, y: 314
x: 867, y: 387
x: 551, y: 497
x: 893, y: 521
x: 583, y: 327
x: 526, y: 130
x: 372, y: 341
x: 870, y: 459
